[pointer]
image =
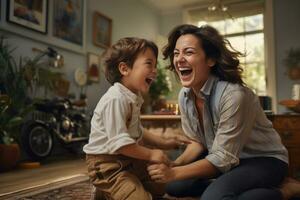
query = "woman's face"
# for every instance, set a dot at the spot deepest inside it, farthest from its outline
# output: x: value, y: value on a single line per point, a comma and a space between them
x: 191, y: 63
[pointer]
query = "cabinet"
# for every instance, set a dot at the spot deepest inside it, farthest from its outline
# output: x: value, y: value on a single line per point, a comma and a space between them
x: 288, y: 126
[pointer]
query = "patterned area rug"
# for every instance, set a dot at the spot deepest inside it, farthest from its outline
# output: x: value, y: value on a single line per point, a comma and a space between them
x: 78, y: 191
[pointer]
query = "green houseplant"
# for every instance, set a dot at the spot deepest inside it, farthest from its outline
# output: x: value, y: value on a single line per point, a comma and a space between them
x: 159, y: 89
x: 13, y: 89
x: 19, y: 82
x: 9, y: 150
x: 292, y: 62
x: 8, y: 123
x: 13, y: 106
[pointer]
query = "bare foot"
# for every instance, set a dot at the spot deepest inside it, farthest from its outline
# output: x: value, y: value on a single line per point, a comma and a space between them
x: 290, y: 188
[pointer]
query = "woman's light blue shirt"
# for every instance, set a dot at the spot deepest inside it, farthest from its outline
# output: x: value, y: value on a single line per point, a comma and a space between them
x: 235, y: 128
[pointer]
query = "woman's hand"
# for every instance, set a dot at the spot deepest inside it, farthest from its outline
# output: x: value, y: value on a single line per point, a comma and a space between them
x: 161, y: 173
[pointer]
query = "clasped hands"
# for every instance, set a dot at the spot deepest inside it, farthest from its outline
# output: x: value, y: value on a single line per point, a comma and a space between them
x: 161, y: 168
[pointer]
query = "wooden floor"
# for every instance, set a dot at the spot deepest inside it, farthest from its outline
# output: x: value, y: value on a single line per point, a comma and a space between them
x: 50, y: 173
x: 53, y: 174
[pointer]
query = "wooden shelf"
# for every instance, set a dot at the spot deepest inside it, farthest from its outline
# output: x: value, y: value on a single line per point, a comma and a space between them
x: 160, y: 117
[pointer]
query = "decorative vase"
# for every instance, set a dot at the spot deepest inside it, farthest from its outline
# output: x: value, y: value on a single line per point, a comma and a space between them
x: 9, y: 156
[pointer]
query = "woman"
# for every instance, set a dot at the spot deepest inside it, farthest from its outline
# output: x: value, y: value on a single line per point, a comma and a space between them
x: 224, y: 118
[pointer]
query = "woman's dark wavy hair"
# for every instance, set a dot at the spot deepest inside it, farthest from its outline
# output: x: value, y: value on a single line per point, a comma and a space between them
x: 125, y: 50
x: 227, y: 65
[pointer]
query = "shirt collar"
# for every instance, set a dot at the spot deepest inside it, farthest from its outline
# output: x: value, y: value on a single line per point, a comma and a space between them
x: 129, y: 94
x: 206, y: 88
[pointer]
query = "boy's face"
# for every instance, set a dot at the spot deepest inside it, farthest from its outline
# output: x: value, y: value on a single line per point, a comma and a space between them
x: 142, y: 74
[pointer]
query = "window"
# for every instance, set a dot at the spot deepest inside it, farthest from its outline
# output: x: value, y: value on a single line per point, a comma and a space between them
x: 245, y: 34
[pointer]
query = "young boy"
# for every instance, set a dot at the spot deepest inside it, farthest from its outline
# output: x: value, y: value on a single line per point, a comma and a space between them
x: 116, y: 156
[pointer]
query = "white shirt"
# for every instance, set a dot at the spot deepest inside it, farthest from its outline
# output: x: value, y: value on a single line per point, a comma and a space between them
x: 116, y: 121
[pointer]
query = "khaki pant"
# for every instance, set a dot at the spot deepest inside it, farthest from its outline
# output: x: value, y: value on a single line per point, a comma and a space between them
x: 120, y: 177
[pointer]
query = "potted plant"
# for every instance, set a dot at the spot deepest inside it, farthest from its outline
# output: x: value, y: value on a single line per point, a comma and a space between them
x: 159, y: 89
x: 16, y: 82
x: 292, y: 62
x: 13, y: 105
x: 9, y: 149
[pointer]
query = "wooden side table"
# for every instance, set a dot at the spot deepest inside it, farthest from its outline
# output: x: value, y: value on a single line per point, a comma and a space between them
x: 288, y: 126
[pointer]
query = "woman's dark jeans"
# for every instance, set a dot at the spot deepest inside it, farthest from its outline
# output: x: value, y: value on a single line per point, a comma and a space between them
x: 253, y: 179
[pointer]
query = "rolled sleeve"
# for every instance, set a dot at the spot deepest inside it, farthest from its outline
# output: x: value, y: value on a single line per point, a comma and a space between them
x: 119, y: 141
x: 237, y: 116
x: 222, y: 159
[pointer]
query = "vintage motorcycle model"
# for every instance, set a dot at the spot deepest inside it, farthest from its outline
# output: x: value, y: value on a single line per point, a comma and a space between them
x: 56, y: 118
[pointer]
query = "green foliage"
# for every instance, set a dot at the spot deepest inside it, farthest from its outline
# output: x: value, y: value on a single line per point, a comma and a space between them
x: 12, y: 81
x: 161, y: 86
x: 16, y: 79
x: 8, y: 123
x: 292, y: 58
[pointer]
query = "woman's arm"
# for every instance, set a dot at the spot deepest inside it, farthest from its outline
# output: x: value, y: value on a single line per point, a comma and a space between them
x: 144, y: 153
x: 192, y: 151
x: 164, y: 143
x: 201, y: 169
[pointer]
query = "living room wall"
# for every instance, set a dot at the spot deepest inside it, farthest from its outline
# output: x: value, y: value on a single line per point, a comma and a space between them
x: 129, y: 18
x: 286, y: 32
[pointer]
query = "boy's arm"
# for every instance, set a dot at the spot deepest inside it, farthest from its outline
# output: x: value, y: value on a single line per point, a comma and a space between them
x: 192, y: 151
x: 144, y: 153
x: 163, y: 143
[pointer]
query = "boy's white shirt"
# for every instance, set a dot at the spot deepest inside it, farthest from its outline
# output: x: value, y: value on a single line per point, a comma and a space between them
x: 109, y: 130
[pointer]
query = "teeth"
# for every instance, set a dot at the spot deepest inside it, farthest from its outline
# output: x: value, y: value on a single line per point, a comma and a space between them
x: 149, y: 80
x: 183, y: 68
x: 152, y: 79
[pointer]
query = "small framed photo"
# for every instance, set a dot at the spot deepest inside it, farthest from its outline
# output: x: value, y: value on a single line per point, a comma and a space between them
x: 30, y: 14
x: 102, y: 28
x: 93, y: 62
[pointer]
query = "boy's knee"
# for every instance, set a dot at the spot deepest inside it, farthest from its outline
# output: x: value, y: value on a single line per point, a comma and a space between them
x: 130, y: 191
x: 129, y: 188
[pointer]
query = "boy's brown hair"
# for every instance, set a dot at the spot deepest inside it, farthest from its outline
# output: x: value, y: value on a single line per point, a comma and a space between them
x: 125, y: 50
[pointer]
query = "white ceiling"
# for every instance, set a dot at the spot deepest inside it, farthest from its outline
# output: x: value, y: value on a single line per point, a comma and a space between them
x: 171, y: 5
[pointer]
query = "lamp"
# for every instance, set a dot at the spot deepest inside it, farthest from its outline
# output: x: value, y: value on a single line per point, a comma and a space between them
x: 218, y: 7
x: 55, y: 60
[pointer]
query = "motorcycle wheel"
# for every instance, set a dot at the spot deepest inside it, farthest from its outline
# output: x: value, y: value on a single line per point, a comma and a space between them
x: 36, y: 140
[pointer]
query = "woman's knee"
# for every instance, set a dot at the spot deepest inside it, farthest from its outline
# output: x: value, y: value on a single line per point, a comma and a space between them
x: 190, y: 187
x: 174, y: 189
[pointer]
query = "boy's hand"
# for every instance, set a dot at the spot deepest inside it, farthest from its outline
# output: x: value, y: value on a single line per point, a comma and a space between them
x: 158, y: 156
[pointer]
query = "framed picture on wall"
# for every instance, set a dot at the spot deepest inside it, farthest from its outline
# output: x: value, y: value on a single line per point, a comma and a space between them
x: 102, y: 28
x: 68, y: 20
x: 93, y: 66
x: 30, y: 14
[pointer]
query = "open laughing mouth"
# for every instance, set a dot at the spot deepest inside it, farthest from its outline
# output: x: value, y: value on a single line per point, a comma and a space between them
x: 185, y: 71
x: 149, y: 81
